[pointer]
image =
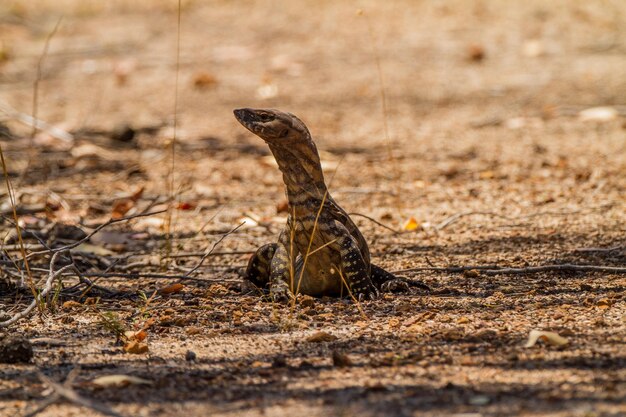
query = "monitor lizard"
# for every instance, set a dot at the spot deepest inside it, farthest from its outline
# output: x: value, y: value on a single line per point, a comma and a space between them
x: 320, y: 252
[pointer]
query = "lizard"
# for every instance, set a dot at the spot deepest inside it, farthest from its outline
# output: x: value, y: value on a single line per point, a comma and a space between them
x: 321, y: 251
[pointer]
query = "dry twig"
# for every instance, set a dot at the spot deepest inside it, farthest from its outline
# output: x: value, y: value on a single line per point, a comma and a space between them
x: 66, y: 392
x: 52, y: 275
x: 96, y: 230
x: 374, y: 221
x: 498, y: 270
x: 36, y: 123
x: 209, y: 252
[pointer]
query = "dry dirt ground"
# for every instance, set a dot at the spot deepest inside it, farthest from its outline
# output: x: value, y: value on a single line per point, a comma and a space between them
x: 483, y: 113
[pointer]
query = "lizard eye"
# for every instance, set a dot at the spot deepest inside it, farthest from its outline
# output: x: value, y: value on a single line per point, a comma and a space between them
x: 264, y: 117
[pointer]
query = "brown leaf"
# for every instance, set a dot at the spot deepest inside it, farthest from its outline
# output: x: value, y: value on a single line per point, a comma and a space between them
x: 68, y: 305
x: 139, y: 335
x: 216, y: 289
x: 121, y: 207
x: 136, y: 347
x: 341, y: 359
x: 137, y: 194
x: 171, y: 289
x: 476, y: 53
x: 321, y: 337
x: 202, y: 80
x: 192, y: 331
x: 472, y: 273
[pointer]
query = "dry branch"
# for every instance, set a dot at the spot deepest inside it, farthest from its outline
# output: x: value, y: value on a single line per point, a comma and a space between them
x: 497, y: 270
x: 96, y: 230
x: 38, y: 124
x: 154, y: 276
x: 215, y: 253
x: 53, y: 275
x: 65, y: 391
x: 374, y: 221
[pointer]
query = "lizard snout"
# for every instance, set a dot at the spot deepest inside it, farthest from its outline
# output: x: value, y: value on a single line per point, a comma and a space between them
x: 242, y: 114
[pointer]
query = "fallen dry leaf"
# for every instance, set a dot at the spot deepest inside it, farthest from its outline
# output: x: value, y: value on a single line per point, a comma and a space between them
x: 411, y: 224
x: 136, y: 347
x: 472, y: 273
x: 68, y: 305
x: 96, y: 250
x: 552, y: 338
x: 139, y: 335
x: 121, y: 207
x: 186, y: 205
x: 216, y: 289
x: 476, y: 53
x: 119, y: 380
x: 248, y: 221
x: 341, y: 360
x: 171, y: 289
x: 321, y: 337
x: 192, y: 331
x: 203, y: 80
x: 598, y: 114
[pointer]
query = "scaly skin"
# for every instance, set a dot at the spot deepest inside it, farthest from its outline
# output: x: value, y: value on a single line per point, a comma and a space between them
x: 321, y: 251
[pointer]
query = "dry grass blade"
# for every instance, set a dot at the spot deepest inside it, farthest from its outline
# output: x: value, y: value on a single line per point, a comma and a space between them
x: 38, y: 124
x: 18, y: 230
x: 308, y: 250
x: 38, y: 77
x: 171, y: 182
x: 354, y: 299
x: 385, y: 112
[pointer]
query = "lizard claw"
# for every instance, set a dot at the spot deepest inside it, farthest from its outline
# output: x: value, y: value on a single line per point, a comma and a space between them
x: 280, y: 294
x: 395, y: 285
x: 368, y: 293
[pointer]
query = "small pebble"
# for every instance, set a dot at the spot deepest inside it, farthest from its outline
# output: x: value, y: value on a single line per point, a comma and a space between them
x: 190, y: 356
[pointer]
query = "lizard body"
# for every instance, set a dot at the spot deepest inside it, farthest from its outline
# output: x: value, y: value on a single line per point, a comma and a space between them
x: 320, y: 251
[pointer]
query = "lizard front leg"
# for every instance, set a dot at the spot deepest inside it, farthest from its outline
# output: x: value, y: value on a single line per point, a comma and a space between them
x: 282, y: 269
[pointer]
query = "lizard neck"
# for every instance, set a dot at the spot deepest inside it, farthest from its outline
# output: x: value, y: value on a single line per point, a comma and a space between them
x: 302, y: 173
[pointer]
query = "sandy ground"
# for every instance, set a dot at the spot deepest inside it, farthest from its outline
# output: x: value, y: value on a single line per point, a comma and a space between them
x: 485, y: 148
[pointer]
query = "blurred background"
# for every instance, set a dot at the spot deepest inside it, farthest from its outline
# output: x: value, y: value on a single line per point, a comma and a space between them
x: 478, y: 95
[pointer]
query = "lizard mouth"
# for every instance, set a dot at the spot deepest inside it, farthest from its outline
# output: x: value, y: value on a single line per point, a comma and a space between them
x: 256, y: 122
x: 244, y: 116
x: 249, y: 120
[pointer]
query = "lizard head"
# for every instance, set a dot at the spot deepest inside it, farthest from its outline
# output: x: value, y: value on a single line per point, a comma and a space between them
x: 273, y: 126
